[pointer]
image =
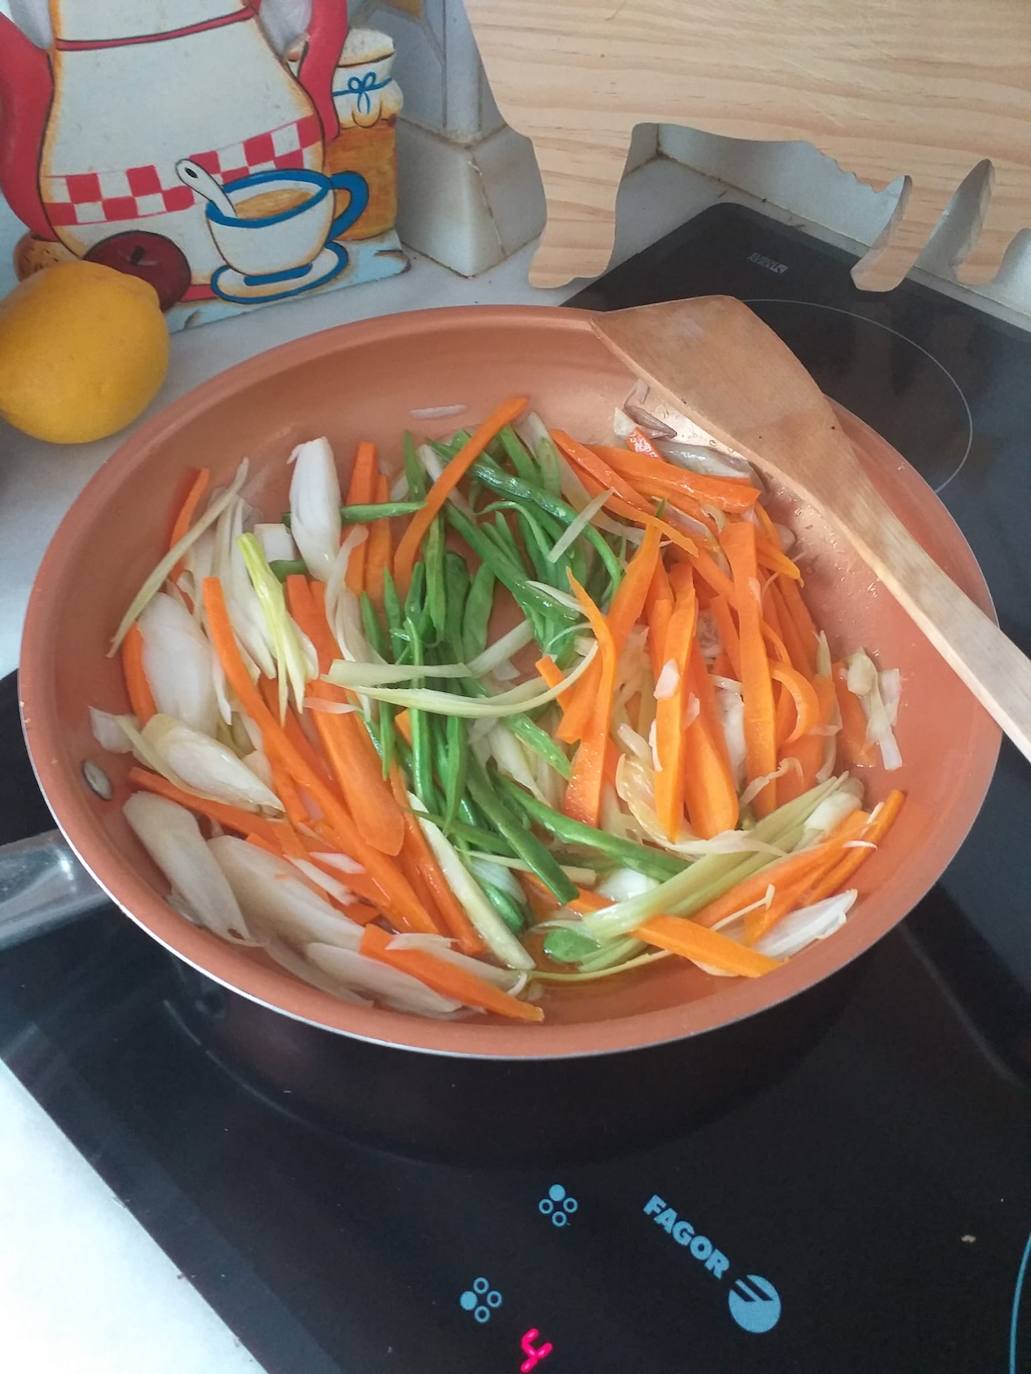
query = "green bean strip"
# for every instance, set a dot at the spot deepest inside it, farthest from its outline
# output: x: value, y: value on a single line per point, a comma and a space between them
x: 526, y: 730
x: 456, y: 583
x: 523, y: 841
x: 476, y: 617
x: 288, y: 567
x: 457, y: 745
x: 418, y: 483
x: 382, y: 510
x: 436, y: 596
x: 415, y: 601
x: 384, y: 736
x: 422, y: 743
x: 519, y: 456
x: 626, y: 853
x: 506, y: 907
x: 532, y: 601
x: 394, y: 615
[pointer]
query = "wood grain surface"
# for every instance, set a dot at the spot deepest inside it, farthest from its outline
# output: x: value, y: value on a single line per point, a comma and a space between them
x: 928, y: 89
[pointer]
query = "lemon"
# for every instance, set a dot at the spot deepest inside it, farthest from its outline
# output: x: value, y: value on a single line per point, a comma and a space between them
x: 83, y: 350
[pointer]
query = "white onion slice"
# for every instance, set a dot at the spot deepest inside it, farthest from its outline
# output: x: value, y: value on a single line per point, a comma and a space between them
x: 276, y: 901
x: 108, y: 731
x: 389, y: 986
x: 436, y: 412
x: 315, y: 506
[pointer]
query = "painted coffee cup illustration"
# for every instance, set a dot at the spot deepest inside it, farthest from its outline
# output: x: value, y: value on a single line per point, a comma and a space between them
x: 282, y: 221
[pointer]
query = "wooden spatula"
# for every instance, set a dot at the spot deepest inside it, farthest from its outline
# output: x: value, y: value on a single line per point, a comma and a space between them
x: 715, y: 361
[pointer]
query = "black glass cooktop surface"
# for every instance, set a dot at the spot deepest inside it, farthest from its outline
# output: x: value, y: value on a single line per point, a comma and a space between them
x: 867, y: 1208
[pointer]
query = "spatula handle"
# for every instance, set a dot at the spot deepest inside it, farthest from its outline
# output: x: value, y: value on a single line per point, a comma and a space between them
x: 989, y: 663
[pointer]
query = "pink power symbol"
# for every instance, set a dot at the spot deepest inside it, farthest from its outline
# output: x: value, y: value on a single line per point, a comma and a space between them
x: 533, y: 1356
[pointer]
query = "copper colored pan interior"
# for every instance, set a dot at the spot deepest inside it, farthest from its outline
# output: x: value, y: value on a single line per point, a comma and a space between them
x: 361, y: 381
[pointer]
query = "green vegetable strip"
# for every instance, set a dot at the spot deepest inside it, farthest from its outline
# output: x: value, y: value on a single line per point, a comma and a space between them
x: 288, y: 567
x: 625, y: 853
x: 384, y: 732
x: 457, y: 746
x: 568, y: 946
x: 383, y: 510
x: 506, y: 907
x: 478, y: 607
x: 436, y: 596
x: 418, y: 484
x: 531, y: 602
x: 422, y: 745
x: 415, y: 602
x: 519, y: 456
x: 523, y: 841
x: 456, y: 585
x: 394, y: 616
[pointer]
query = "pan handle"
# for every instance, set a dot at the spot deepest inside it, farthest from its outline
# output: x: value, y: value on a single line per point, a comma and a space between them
x: 42, y: 886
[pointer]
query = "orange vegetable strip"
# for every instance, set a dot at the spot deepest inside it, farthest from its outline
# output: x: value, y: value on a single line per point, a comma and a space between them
x: 771, y: 558
x: 403, y: 722
x: 352, y: 756
x: 686, y: 938
x: 447, y: 979
x: 710, y: 571
x: 658, y: 609
x: 623, y: 615
x: 638, y: 442
x: 874, y: 832
x: 584, y: 901
x: 286, y: 790
x: 808, y: 750
x: 854, y: 748
x: 635, y: 516
x: 229, y: 817
x: 553, y: 675
x: 582, y: 800
x: 803, y: 694
x: 450, y: 910
x: 366, y: 887
x: 801, y: 652
x: 790, y: 895
x: 767, y: 526
x: 797, y: 610
x: 141, y: 699
x: 404, y: 558
x: 380, y: 549
x: 360, y: 493
x: 732, y: 494
x: 753, y: 888
x: 403, y: 901
x: 603, y: 473
x: 738, y: 541
x: 729, y: 641
x: 669, y: 714
x: 184, y: 519
x: 709, y: 791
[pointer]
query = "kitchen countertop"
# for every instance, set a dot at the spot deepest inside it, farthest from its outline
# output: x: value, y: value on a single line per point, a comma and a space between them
x: 82, y: 1286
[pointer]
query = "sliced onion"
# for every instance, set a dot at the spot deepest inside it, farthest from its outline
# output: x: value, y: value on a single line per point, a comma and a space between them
x: 576, y: 527
x: 431, y: 461
x: 205, y: 765
x: 342, y: 861
x: 436, y: 412
x: 315, y: 506
x: 277, y: 543
x: 259, y: 765
x: 731, y: 710
x: 108, y: 730
x: 276, y: 900
x: 668, y: 681
x: 329, y: 708
x: 634, y: 744
x: 787, y: 764
x: 501, y: 650
x: 179, y: 664
x: 171, y: 836
x: 711, y: 462
x: 389, y: 986
x: 800, y: 928
x: 300, y: 967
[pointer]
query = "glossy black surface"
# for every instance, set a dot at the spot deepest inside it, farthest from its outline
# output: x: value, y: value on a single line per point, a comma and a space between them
x: 878, y: 1181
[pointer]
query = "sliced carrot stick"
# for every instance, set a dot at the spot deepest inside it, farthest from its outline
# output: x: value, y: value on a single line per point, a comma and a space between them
x: 294, y: 731
x: 753, y: 888
x: 709, y: 791
x: 589, y: 461
x: 692, y: 941
x: 455, y: 921
x: 854, y: 749
x: 184, y: 519
x: 658, y: 607
x: 380, y: 550
x: 403, y: 722
x: 710, y: 571
x: 771, y: 558
x: 360, y: 492
x: 801, y: 652
x: 447, y: 979
x: 882, y: 819
x: 623, y: 615
x: 584, y: 900
x: 729, y: 641
x: 809, y: 750
x: 803, y: 694
x: 345, y: 740
x: 230, y: 817
x: 286, y: 790
x: 733, y: 494
x: 634, y: 515
x: 403, y: 902
x: 408, y: 547
x: 141, y: 699
x: 797, y: 610
x: 582, y: 800
x: 552, y: 675
x: 738, y: 540
x: 789, y: 895
x: 669, y: 713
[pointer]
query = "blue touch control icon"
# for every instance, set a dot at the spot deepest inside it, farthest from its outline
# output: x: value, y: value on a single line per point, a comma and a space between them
x: 480, y: 1300
x: 558, y: 1205
x: 754, y: 1304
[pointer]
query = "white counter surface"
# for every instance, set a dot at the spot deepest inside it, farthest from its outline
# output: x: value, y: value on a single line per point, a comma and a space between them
x: 83, y: 1288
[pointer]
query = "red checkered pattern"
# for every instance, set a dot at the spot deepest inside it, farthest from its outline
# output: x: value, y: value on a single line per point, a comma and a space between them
x: 140, y: 192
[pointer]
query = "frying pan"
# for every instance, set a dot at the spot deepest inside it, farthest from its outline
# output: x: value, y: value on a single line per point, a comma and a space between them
x: 362, y: 381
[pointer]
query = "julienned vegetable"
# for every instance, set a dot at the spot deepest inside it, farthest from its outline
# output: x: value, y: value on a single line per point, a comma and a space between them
x: 522, y: 711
